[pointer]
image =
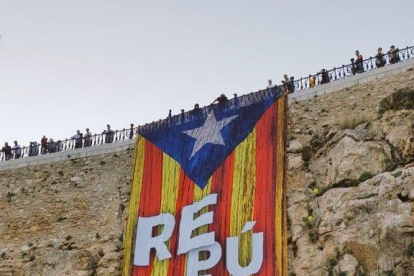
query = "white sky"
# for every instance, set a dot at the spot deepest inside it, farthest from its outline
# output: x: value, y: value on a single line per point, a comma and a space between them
x: 68, y: 65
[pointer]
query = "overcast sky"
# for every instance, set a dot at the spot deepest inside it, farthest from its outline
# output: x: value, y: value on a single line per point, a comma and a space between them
x: 68, y: 65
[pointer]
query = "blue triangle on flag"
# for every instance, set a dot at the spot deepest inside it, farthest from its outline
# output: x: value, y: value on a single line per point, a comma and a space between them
x: 201, y: 140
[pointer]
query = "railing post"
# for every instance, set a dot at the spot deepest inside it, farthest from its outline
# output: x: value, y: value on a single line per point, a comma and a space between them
x: 131, y: 132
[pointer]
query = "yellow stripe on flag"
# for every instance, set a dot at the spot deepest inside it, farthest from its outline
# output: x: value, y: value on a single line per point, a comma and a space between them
x: 243, y: 195
x: 170, y: 179
x: 280, y: 208
x: 133, y: 205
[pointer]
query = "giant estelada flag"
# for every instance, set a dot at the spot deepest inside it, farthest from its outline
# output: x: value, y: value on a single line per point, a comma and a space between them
x: 208, y: 193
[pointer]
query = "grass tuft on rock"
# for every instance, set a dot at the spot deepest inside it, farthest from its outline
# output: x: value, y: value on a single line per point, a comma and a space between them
x: 410, y: 250
x: 346, y: 183
x: 365, y: 176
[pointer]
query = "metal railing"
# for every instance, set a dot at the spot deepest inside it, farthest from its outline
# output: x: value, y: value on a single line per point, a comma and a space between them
x: 35, y: 149
x: 345, y: 71
x: 337, y: 73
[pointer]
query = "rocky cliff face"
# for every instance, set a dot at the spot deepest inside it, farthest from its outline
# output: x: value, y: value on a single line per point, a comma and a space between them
x: 65, y: 218
x: 351, y: 181
x: 350, y: 198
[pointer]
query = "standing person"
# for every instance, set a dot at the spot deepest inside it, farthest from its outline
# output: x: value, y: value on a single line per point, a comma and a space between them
x: 109, y: 134
x: 58, y: 146
x: 221, y: 100
x: 7, y: 151
x: 269, y: 84
x: 17, y: 150
x: 311, y: 81
x: 324, y: 76
x: 78, y: 139
x: 359, y: 63
x: 88, y: 138
x: 291, y: 84
x: 288, y: 83
x: 34, y: 149
x: 51, y: 146
x: 43, y: 144
x: 394, y: 55
x: 379, y: 58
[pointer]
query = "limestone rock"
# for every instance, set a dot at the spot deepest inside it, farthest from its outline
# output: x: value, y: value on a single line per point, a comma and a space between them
x: 398, y: 128
x: 75, y: 179
x: 374, y: 221
x: 295, y: 146
x: 401, y: 99
x: 348, y: 159
x: 109, y: 265
x: 294, y: 161
x: 349, y: 265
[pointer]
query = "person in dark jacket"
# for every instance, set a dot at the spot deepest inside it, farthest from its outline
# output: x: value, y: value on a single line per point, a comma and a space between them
x: 7, y: 150
x: 221, y: 100
x: 109, y: 134
x: 43, y: 143
x: 78, y: 137
x: 324, y: 76
x: 359, y: 63
x: 17, y: 150
x: 379, y: 58
x: 51, y: 146
x: 34, y: 149
x: 394, y: 54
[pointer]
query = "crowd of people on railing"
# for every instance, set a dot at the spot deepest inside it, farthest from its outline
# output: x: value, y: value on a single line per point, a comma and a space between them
x: 82, y: 140
x: 48, y: 145
x: 357, y: 66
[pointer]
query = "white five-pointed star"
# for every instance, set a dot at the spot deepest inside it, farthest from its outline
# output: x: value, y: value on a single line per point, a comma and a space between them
x: 209, y: 132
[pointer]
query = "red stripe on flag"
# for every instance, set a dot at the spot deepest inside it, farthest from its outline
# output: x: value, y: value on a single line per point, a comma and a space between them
x: 150, y: 198
x: 223, y: 186
x: 265, y: 187
x: 176, y: 265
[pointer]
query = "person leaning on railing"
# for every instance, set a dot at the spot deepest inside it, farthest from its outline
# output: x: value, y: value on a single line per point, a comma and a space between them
x: 109, y: 134
x: 43, y: 143
x: 379, y: 58
x: 78, y: 139
x: 359, y: 63
x: 311, y: 81
x: 394, y: 54
x: 324, y: 76
x: 58, y: 146
x: 88, y: 138
x: 17, y: 150
x: 7, y: 150
x: 222, y: 99
x: 33, y: 149
x: 291, y: 84
x: 51, y: 146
